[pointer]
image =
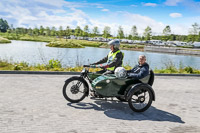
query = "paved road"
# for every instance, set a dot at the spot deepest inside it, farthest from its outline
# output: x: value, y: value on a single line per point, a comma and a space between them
x: 34, y: 103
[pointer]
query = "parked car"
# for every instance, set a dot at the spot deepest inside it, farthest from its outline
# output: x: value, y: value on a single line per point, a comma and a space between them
x: 196, y: 44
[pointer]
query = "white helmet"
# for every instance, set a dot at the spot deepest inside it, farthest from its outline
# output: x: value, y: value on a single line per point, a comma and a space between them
x: 120, y: 72
x: 115, y: 43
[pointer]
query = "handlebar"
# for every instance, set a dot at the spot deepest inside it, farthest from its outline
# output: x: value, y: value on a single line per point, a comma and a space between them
x: 86, y: 65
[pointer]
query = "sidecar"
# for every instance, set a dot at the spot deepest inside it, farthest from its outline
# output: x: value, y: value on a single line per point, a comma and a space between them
x: 138, y: 93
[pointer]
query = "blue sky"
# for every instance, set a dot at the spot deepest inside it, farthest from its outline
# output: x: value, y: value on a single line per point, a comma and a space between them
x: 179, y: 14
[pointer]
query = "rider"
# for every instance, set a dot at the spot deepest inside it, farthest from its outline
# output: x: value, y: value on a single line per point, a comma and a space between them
x: 113, y: 60
x: 139, y: 71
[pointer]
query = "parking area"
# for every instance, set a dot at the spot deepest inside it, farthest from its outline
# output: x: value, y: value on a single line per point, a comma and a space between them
x: 34, y: 103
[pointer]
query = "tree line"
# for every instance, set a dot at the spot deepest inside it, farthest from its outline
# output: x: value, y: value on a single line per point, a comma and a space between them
x: 194, y: 32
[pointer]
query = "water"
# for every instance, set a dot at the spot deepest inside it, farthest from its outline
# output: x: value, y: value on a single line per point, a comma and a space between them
x: 37, y: 53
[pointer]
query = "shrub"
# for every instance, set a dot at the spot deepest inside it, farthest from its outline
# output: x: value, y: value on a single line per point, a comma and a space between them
x: 188, y: 69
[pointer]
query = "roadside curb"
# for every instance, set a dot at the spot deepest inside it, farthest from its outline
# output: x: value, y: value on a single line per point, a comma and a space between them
x: 40, y: 72
x: 183, y: 75
x: 78, y: 73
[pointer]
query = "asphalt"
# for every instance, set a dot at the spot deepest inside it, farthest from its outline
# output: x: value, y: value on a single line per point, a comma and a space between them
x: 33, y: 103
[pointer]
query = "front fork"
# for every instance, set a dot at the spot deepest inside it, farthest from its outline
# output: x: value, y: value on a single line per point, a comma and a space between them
x: 84, y: 77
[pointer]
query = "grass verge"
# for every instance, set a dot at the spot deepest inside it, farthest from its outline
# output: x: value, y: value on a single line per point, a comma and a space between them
x: 55, y: 65
x: 4, y: 40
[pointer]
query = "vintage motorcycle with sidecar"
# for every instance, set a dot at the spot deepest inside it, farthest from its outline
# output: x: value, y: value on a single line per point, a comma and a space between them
x: 138, y: 93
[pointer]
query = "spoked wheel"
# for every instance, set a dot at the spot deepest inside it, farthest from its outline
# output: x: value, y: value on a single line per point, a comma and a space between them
x: 75, y: 89
x: 140, y: 99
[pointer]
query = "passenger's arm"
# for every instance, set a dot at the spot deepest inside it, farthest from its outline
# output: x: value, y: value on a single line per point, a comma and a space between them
x: 144, y: 71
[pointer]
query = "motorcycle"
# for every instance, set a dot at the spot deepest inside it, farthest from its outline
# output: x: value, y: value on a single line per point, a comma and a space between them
x: 138, y: 93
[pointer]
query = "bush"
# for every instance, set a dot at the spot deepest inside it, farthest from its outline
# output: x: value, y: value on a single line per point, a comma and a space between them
x: 188, y: 69
x: 54, y: 64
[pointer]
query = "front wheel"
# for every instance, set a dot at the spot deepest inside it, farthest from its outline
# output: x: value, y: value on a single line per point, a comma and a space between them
x: 140, y: 99
x: 75, y: 89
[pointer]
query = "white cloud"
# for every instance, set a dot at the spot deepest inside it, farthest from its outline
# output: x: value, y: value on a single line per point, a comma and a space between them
x: 99, y: 6
x: 180, y: 29
x: 64, y: 14
x: 142, y: 22
x: 133, y: 5
x: 105, y: 10
x: 173, y: 2
x: 175, y: 15
x: 150, y: 4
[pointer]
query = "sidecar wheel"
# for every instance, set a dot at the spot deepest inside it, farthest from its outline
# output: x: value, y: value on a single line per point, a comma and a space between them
x: 75, y: 90
x: 140, y: 99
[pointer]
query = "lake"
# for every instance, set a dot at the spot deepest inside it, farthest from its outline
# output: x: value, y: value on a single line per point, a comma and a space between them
x: 37, y: 53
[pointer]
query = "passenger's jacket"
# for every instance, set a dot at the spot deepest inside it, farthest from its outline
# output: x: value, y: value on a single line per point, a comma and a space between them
x: 139, y: 72
x: 116, y: 62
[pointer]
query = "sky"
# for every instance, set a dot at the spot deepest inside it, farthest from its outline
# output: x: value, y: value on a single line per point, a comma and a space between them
x: 178, y: 14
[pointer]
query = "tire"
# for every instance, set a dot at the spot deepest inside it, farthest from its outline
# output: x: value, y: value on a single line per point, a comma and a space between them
x: 141, y: 96
x: 75, y: 89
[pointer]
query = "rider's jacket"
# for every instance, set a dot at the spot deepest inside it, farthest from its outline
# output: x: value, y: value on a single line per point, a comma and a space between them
x: 139, y: 71
x: 111, y: 57
x: 113, y: 60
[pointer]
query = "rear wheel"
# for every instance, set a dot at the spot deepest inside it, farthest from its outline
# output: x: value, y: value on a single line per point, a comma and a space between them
x: 140, y: 99
x: 75, y: 89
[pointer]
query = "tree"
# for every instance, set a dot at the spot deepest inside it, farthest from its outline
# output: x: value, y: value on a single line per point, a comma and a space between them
x: 172, y: 37
x: 3, y: 25
x: 41, y: 31
x: 120, y: 33
x: 53, y: 31
x: 61, y: 32
x: 86, y: 31
x: 36, y: 31
x: 78, y: 31
x: 166, y: 33
x: 68, y: 31
x: 193, y: 32
x: 106, y: 32
x: 95, y: 31
x: 134, y: 33
x: 199, y: 37
x: 47, y: 31
x: 195, y: 29
x: 167, y: 30
x: 147, y: 33
x: 30, y: 31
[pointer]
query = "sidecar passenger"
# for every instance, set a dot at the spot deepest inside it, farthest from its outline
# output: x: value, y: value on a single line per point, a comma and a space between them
x: 141, y: 72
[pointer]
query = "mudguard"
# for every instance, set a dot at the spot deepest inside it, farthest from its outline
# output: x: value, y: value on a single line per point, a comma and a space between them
x: 139, y: 85
x: 81, y: 79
